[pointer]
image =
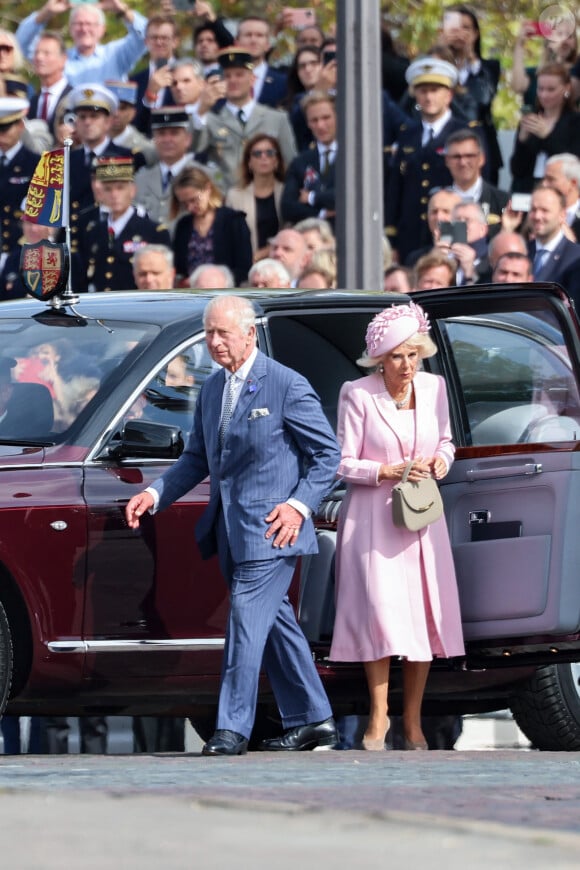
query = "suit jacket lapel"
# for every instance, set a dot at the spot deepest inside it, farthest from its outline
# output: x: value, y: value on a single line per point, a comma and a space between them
x: 250, y: 389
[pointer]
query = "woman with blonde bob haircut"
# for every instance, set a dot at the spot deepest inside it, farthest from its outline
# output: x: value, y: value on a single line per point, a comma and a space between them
x: 396, y: 593
x: 210, y: 232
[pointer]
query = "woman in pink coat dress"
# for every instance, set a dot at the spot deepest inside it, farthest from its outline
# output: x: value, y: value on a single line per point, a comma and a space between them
x: 396, y: 589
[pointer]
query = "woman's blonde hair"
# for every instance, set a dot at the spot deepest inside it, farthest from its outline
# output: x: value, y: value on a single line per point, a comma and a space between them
x: 18, y: 60
x: 194, y: 176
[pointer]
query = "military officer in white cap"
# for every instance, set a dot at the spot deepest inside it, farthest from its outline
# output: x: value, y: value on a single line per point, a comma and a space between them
x: 418, y: 163
x: 93, y: 106
x: 17, y: 165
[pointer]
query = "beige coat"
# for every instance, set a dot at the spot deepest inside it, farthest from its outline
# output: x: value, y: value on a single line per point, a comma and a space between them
x: 243, y: 199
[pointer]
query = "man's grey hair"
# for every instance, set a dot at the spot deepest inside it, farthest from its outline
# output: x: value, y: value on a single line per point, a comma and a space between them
x: 314, y: 223
x: 80, y: 7
x: 189, y: 61
x: 268, y: 267
x: 241, y: 309
x: 153, y: 249
x: 229, y: 282
x: 570, y: 165
x: 475, y: 206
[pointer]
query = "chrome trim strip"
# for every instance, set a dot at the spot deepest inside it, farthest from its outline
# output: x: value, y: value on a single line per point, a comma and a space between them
x: 144, y: 645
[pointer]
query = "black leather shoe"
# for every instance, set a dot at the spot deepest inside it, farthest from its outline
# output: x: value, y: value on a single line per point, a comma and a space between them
x: 226, y: 743
x: 303, y: 737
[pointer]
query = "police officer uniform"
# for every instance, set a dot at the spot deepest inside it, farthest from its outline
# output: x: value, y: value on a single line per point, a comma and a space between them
x: 106, y: 253
x: 418, y: 166
x: 17, y: 167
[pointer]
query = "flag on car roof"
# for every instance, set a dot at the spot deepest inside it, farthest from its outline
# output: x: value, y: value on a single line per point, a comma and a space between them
x: 48, y: 197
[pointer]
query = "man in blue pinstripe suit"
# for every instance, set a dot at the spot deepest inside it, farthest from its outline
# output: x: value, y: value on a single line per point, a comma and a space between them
x: 260, y: 434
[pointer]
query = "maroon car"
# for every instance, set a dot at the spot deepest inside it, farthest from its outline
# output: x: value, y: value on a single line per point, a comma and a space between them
x: 98, y: 619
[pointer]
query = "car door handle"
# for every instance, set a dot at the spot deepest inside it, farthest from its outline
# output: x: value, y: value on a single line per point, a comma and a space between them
x: 493, y: 471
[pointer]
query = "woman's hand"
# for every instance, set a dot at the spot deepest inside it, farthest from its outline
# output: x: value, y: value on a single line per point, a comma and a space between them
x: 534, y: 124
x: 438, y: 467
x: 420, y: 469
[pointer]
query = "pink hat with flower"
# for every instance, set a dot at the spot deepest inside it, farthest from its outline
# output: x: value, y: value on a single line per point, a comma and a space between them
x: 392, y: 327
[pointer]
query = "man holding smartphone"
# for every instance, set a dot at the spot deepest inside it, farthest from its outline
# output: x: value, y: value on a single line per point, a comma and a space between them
x: 161, y: 40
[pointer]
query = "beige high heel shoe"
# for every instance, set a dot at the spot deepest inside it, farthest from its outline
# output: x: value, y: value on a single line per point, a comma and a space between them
x: 375, y: 744
x: 410, y: 744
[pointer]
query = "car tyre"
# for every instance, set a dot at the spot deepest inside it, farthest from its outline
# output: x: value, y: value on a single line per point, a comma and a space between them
x: 547, y: 708
x: 6, y: 658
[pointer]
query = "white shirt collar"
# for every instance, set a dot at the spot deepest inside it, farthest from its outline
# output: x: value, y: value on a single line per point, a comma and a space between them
x: 247, y: 108
x: 245, y: 369
x: 12, y: 152
x: 175, y: 167
x: 438, y: 124
x: 552, y: 244
x: 473, y: 192
x: 120, y: 223
x: 330, y: 148
x: 572, y: 212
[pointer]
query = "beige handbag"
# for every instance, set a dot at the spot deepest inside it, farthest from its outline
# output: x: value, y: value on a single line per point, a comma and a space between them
x: 415, y: 505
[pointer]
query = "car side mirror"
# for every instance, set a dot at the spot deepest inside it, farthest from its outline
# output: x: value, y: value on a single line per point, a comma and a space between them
x: 153, y: 440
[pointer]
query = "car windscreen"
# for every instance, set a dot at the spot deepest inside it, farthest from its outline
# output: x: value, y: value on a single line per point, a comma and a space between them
x: 52, y: 371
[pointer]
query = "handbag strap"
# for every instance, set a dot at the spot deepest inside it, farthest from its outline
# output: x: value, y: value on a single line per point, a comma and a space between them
x: 407, y: 471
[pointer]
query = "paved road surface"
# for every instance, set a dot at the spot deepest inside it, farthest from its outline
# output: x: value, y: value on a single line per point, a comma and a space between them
x: 344, y: 809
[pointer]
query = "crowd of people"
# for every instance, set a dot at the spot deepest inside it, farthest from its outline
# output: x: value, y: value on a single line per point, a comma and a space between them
x: 215, y: 154
x: 213, y: 168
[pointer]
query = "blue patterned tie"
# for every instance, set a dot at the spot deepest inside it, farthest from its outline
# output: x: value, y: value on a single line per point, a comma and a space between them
x: 539, y: 260
x: 227, y: 409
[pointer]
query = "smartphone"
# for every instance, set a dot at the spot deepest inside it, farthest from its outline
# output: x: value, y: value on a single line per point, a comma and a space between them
x: 300, y: 18
x: 161, y: 61
x: 453, y: 231
x: 328, y: 56
x: 527, y: 109
x: 538, y: 28
x: 521, y: 201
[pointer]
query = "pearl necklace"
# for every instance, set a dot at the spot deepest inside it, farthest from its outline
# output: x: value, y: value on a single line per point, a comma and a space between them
x: 404, y: 400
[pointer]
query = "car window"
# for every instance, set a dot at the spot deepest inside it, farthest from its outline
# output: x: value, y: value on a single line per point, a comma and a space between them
x: 171, y: 394
x: 516, y: 378
x: 55, y: 370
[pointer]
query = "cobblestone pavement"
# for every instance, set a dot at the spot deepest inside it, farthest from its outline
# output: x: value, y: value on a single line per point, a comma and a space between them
x: 463, y: 804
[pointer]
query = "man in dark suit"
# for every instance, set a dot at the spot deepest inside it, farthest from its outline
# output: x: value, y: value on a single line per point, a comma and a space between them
x: 554, y: 257
x: 162, y: 40
x: 260, y: 434
x: 309, y: 189
x: 419, y: 162
x: 465, y: 158
x: 48, y: 62
x: 255, y: 36
x: 563, y: 172
x: 106, y: 248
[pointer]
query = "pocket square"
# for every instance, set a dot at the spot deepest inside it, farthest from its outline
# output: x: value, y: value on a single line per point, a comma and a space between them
x: 258, y: 412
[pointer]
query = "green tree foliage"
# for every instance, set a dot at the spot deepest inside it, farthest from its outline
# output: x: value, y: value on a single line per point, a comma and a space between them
x: 414, y: 23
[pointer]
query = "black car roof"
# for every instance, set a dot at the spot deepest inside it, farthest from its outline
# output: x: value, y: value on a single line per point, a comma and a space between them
x: 165, y: 307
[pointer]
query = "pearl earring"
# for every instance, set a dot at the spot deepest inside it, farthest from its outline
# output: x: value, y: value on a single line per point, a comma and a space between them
x: 566, y: 94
